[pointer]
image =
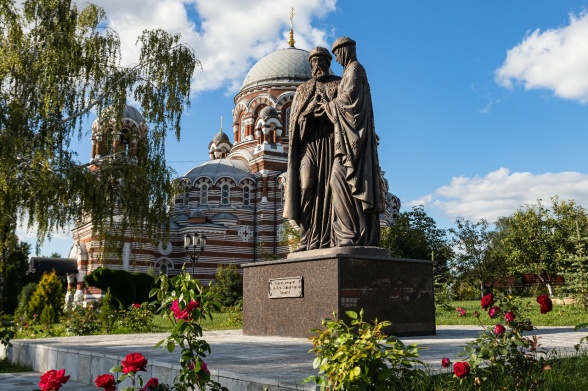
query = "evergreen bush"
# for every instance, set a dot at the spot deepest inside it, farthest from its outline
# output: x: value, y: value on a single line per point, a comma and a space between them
x: 49, y: 291
x: 228, y: 285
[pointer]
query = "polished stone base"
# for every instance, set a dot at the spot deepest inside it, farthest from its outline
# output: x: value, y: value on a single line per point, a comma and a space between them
x: 338, y: 280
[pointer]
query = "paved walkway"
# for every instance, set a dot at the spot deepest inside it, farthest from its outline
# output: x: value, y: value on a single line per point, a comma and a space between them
x: 238, y: 360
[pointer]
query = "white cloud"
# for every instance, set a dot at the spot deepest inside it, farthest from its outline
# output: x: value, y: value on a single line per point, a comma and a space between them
x: 227, y: 36
x: 501, y: 193
x: 555, y: 59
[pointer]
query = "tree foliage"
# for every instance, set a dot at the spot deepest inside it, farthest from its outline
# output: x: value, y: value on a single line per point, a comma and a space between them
x: 13, y: 267
x: 58, y: 63
x: 536, y: 239
x: 49, y: 291
x: 228, y: 285
x: 475, y: 256
x: 415, y: 235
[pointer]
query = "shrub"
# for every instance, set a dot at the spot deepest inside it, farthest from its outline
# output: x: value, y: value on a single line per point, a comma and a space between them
x: 108, y: 314
x: 184, y: 302
x: 49, y: 291
x: 47, y: 317
x: 138, y: 318
x: 228, y: 286
x: 24, y: 297
x: 501, y: 350
x: 362, y: 356
x: 82, y: 320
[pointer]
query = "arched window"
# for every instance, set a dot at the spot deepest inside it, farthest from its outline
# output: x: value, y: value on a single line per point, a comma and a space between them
x: 163, y: 269
x: 225, y: 194
x: 242, y: 128
x: 287, y: 124
x: 204, y: 194
x: 246, y: 196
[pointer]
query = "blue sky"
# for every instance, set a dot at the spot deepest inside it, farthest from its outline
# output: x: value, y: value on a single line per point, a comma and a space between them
x: 480, y: 106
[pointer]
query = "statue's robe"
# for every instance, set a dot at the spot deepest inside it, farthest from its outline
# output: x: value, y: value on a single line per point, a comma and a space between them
x: 310, y: 160
x: 357, y: 192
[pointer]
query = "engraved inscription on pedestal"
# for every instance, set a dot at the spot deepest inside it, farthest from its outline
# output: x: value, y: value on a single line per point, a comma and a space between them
x: 285, y: 287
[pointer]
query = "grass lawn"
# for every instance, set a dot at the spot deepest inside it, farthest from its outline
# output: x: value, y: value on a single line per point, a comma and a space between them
x: 220, y: 321
x: 7, y: 367
x: 562, y: 315
x: 567, y: 374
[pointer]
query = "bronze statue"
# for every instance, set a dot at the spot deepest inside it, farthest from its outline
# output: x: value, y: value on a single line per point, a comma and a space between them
x: 355, y: 187
x: 308, y: 199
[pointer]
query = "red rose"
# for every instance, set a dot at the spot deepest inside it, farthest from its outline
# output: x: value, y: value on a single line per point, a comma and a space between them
x: 106, y: 381
x: 134, y: 362
x: 53, y: 380
x: 185, y: 314
x: 476, y: 314
x: 494, y: 312
x: 545, y: 303
x: 461, y: 369
x: 509, y: 316
x: 137, y: 305
x: 487, y: 301
x: 499, y: 329
x: 445, y: 362
x: 151, y: 383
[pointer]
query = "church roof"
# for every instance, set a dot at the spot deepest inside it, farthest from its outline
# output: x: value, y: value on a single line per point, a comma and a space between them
x: 218, y: 168
x: 132, y: 113
x: 279, y: 67
x: 221, y: 137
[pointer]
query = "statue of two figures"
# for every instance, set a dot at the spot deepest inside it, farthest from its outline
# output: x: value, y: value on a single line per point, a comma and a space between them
x: 334, y: 190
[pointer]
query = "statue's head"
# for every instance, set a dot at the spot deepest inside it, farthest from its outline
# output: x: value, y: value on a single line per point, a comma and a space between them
x: 320, y: 61
x: 343, y: 49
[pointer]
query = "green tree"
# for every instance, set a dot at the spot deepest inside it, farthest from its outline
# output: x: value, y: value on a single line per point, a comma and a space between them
x: 474, y: 256
x: 58, y: 62
x: 13, y: 266
x: 536, y: 239
x: 415, y: 235
x: 49, y: 291
x: 228, y: 285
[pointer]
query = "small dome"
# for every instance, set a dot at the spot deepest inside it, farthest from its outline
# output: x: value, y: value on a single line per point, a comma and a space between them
x: 131, y: 113
x: 267, y: 112
x: 218, y: 168
x: 282, y: 66
x: 221, y: 137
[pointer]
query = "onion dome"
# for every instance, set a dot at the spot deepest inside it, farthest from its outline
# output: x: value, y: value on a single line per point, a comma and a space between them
x: 221, y: 137
x: 282, y: 66
x: 220, y: 146
x: 218, y: 168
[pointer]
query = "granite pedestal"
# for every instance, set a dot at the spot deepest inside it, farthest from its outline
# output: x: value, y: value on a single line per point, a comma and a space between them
x: 340, y: 279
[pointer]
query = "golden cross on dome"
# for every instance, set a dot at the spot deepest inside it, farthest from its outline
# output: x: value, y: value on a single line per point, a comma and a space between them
x: 291, y: 41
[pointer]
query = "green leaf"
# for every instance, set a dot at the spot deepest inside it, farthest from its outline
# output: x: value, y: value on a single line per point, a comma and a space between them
x: 351, y: 314
x: 116, y: 369
x: 171, y: 346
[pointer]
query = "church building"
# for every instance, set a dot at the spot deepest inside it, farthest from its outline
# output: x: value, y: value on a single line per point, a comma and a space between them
x: 235, y: 199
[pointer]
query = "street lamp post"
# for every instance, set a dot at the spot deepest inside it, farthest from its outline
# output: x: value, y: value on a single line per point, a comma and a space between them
x: 194, y: 245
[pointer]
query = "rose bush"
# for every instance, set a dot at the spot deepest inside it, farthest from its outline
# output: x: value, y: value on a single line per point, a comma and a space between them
x: 503, y: 350
x: 185, y: 303
x: 361, y: 356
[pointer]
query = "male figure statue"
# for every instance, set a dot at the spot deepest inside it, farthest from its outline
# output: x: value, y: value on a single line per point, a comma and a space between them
x: 355, y: 179
x: 310, y: 159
